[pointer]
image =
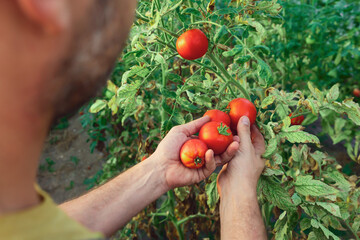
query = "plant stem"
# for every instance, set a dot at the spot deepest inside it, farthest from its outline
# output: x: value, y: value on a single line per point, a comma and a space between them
x: 171, y: 197
x: 192, y: 19
x: 184, y: 220
x: 351, y: 230
x: 228, y: 77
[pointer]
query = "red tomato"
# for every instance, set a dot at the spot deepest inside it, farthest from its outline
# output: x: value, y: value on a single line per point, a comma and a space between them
x: 144, y: 158
x: 218, y: 116
x: 297, y: 120
x: 356, y: 92
x: 216, y: 135
x: 192, y: 153
x: 241, y: 107
x: 192, y: 44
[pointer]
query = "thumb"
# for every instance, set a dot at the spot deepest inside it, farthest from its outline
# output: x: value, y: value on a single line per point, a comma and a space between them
x: 243, y: 129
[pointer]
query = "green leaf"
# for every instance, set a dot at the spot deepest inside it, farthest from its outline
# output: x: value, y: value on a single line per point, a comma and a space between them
x: 236, y: 50
x: 134, y: 71
x: 267, y: 101
x: 296, y: 199
x: 295, y: 153
x: 312, y: 106
x: 270, y: 148
x: 258, y: 26
x: 307, y: 186
x: 339, y: 181
x: 275, y: 193
x: 98, y: 106
x: 265, y: 73
x: 126, y: 98
x: 305, y: 223
x: 326, y: 231
x: 113, y: 105
x: 262, y: 48
x: 243, y: 59
x: 219, y: 33
x: 270, y: 172
x: 182, y: 192
x: 178, y: 118
x: 316, y: 92
x: 348, y: 107
x: 331, y: 208
x: 333, y: 94
x: 191, y: 11
x: 281, y: 227
x: 211, y: 192
x: 356, y: 224
x: 299, y: 137
x: 111, y: 86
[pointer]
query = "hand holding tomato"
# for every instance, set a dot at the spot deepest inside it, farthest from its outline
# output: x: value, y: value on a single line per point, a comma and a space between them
x: 243, y: 171
x: 167, y: 156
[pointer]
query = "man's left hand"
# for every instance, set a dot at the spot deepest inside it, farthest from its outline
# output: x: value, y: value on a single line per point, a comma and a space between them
x: 168, y: 155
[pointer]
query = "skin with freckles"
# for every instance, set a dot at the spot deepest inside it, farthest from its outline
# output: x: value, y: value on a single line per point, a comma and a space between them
x: 56, y: 55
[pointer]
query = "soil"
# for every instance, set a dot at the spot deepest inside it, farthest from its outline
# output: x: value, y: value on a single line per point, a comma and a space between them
x: 66, y: 162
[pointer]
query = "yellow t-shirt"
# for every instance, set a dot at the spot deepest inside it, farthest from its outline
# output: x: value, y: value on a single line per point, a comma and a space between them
x: 44, y: 221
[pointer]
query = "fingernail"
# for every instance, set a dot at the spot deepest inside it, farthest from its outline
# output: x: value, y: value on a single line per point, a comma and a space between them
x: 245, y: 120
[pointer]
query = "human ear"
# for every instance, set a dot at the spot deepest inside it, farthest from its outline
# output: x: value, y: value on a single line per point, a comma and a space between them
x: 51, y: 16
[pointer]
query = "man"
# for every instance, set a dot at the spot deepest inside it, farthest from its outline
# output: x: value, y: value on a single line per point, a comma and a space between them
x: 54, y: 56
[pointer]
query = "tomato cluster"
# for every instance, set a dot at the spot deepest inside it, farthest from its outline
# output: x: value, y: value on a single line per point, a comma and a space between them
x: 216, y: 134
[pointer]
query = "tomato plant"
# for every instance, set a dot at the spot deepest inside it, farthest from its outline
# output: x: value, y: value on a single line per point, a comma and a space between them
x: 218, y: 116
x: 192, y: 153
x: 192, y: 44
x: 284, y: 57
x: 216, y: 135
x: 241, y: 107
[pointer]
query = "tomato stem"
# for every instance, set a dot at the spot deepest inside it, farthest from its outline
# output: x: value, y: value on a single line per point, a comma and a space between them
x: 228, y: 77
x: 223, y: 130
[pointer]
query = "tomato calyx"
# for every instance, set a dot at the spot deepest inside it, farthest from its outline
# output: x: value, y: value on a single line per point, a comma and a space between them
x: 198, y: 160
x: 223, y: 130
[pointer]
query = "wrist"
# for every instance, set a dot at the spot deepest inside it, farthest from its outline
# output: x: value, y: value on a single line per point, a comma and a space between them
x: 239, y: 189
x: 156, y: 164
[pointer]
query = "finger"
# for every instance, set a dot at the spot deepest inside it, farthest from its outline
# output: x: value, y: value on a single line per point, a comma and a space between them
x: 258, y: 141
x: 217, y: 179
x: 228, y: 154
x: 209, y: 163
x: 193, y: 126
x: 236, y: 138
x: 243, y: 129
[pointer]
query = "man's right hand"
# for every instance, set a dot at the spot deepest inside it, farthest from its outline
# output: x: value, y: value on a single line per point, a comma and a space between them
x: 240, y: 215
x: 244, y: 170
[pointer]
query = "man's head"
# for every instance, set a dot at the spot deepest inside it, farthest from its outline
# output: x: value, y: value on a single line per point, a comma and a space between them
x: 56, y: 54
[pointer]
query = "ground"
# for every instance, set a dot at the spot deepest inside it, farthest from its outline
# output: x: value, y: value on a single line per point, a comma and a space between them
x: 66, y: 162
